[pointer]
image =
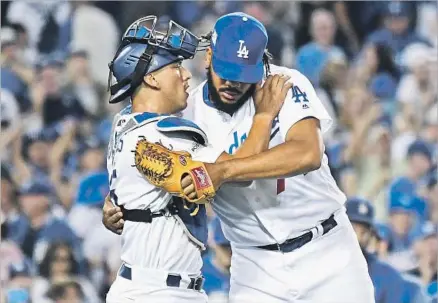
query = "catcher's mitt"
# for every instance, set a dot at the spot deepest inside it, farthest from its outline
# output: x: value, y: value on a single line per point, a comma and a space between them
x: 165, y: 169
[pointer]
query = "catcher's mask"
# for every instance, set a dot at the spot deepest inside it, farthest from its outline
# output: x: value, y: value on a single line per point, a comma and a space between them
x: 144, y: 49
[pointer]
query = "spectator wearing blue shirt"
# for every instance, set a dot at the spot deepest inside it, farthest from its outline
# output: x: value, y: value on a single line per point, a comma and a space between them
x: 38, y: 228
x: 388, y: 283
x: 86, y: 211
x: 402, y: 218
x: 414, y: 291
x: 426, y: 252
x: 419, y: 164
x: 396, y: 32
x: 312, y: 57
x: 216, y: 267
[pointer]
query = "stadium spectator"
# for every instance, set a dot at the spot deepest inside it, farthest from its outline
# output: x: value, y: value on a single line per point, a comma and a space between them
x: 81, y: 84
x: 332, y: 89
x: 43, y: 22
x: 37, y: 227
x: 426, y: 252
x: 217, y: 262
x: 66, y: 292
x: 53, y: 102
x: 58, y: 265
x: 396, y: 32
x: 14, y: 77
x: 312, y: 57
x: 376, y: 59
x: 20, y: 282
x: 417, y: 91
x: 96, y: 32
x: 388, y: 283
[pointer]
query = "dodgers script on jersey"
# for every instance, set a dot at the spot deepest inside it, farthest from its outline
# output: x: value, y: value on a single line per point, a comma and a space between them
x: 269, y: 211
x: 165, y: 243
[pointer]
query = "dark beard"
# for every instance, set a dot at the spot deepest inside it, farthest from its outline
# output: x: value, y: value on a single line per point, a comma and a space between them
x: 215, y: 98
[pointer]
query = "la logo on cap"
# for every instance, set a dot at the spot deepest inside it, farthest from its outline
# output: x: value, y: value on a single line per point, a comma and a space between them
x: 363, y: 209
x: 243, y: 51
x: 214, y: 37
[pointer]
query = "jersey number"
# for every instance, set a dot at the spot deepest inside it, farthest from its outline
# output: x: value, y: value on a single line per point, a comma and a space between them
x: 298, y: 95
x: 280, y: 186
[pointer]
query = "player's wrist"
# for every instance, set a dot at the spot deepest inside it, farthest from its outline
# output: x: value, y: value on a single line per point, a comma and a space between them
x: 263, y: 118
x: 227, y: 171
x: 217, y: 172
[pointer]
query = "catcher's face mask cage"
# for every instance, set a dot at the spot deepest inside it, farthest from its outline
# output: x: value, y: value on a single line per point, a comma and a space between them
x: 145, y: 49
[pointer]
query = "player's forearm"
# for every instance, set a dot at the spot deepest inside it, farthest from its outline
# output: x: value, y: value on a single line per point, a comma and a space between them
x: 286, y: 160
x: 258, y: 138
x: 257, y: 141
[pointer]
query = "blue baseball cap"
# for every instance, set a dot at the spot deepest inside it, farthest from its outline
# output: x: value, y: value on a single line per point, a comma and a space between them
x: 397, y: 9
x: 238, y: 43
x: 420, y: 147
x: 92, y: 189
x: 383, y: 86
x: 401, y: 202
x: 36, y: 188
x: 360, y: 210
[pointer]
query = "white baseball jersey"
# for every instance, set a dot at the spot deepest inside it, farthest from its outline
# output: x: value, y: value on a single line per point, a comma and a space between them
x: 269, y: 211
x: 165, y: 243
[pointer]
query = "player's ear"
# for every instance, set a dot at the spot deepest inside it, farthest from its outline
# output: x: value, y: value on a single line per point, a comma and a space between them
x: 207, y: 59
x: 150, y: 80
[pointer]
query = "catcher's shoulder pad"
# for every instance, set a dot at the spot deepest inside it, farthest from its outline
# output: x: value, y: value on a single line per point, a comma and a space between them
x: 140, y: 118
x: 183, y: 126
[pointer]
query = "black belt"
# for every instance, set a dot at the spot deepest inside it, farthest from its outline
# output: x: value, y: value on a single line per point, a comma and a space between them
x: 140, y: 215
x: 295, y: 243
x: 145, y: 215
x: 171, y: 281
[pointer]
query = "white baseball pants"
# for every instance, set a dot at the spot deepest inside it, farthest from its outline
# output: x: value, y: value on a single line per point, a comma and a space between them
x: 329, y: 269
x: 150, y: 286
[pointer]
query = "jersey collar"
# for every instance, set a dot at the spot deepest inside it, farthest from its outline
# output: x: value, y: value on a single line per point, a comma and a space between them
x: 205, y: 96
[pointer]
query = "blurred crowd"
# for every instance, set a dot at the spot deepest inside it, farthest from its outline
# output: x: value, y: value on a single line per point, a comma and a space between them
x: 373, y: 64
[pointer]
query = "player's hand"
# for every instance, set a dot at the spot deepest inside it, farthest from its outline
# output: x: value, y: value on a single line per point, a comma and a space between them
x: 215, y: 172
x: 188, y: 187
x: 112, y: 217
x: 270, y: 97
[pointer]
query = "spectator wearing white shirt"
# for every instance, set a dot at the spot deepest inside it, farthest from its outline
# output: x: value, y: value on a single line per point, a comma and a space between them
x: 42, y: 20
x: 96, y: 32
x: 417, y: 90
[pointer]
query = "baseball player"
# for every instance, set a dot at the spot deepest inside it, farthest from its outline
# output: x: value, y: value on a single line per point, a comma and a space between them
x: 291, y: 239
x: 163, y: 236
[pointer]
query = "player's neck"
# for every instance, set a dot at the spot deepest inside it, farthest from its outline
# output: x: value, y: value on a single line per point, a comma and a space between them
x: 150, y: 102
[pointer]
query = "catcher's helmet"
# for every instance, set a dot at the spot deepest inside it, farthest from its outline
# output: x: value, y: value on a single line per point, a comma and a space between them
x: 144, y: 50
